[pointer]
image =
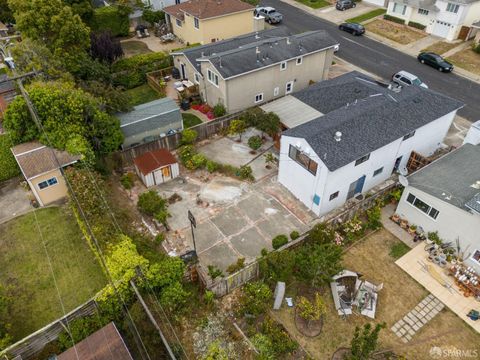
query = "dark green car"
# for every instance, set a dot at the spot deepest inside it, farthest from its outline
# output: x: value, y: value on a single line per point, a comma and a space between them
x: 435, y: 61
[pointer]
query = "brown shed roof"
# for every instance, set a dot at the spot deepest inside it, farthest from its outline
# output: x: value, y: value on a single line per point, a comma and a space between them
x: 35, y: 159
x: 204, y: 9
x: 104, y: 344
x: 153, y: 160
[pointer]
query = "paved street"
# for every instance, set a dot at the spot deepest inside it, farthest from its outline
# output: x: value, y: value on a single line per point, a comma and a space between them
x: 383, y: 60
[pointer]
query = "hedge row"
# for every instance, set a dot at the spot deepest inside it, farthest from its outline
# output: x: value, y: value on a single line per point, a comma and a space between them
x: 394, y: 19
x: 113, y: 18
x: 131, y: 72
x: 416, y: 25
x: 8, y: 165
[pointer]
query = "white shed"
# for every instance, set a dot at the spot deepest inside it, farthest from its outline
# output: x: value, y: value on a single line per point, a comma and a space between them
x: 156, y: 167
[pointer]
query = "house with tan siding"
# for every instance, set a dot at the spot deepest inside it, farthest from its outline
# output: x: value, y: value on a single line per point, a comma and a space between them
x: 41, y: 166
x: 255, y: 68
x: 205, y: 21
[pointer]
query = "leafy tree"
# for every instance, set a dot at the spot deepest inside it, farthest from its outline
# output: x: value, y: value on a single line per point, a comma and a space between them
x: 252, y: 116
x: 264, y: 346
x: 83, y: 8
x: 104, y: 47
x: 150, y: 203
x: 188, y: 137
x: 269, y: 159
x: 277, y: 266
x: 112, y: 99
x: 6, y: 14
x: 255, y: 298
x: 321, y: 234
x: 237, y: 127
x: 215, y: 352
x: 127, y: 180
x: 269, y: 123
x: 152, y: 16
x: 311, y: 311
x: 80, y: 329
x: 364, y: 343
x: 173, y: 297
x: 374, y: 216
x: 281, y: 341
x: 255, y: 142
x: 278, y: 241
x: 219, y: 110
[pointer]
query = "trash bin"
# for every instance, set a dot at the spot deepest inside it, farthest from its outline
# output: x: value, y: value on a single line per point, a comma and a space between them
x: 185, y: 104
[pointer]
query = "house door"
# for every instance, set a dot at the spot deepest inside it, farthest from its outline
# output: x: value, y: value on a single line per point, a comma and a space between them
x: 184, y: 72
x: 356, y: 187
x: 166, y: 173
x: 397, y: 164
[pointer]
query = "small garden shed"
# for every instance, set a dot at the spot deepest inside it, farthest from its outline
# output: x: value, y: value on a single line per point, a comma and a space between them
x: 156, y: 167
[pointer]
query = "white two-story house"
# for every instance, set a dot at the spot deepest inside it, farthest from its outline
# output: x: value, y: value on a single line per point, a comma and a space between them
x: 363, y: 132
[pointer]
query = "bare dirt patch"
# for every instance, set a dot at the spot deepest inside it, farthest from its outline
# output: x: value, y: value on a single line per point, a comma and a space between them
x: 401, y: 34
x: 441, y: 47
x: 467, y: 59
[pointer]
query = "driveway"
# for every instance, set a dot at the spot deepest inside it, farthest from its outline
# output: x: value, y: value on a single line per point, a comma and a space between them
x: 336, y: 16
x: 14, y: 199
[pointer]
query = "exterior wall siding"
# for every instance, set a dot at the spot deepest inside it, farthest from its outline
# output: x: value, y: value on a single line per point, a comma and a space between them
x: 451, y: 222
x: 51, y: 193
x: 155, y: 177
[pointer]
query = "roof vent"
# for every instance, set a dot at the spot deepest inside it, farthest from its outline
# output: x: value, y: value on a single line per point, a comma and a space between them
x: 338, y: 136
x: 257, y: 50
x: 256, y: 35
x: 288, y: 41
x: 476, y: 185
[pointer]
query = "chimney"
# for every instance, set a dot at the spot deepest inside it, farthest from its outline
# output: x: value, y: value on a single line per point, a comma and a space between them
x: 258, y: 24
x: 338, y: 136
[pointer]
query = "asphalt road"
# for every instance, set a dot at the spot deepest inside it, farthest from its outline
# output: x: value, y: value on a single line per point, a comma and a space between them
x: 382, y: 60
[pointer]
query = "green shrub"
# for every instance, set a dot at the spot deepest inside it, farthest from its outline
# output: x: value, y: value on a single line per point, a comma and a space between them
x: 188, y: 137
x: 160, y: 238
x: 211, y: 166
x: 281, y: 341
x: 294, y: 235
x: 264, y: 346
x: 255, y: 142
x: 112, y: 18
x: 374, y: 216
x: 238, y: 265
x: 186, y: 152
x: 185, y: 47
x: 476, y: 48
x: 219, y: 110
x: 79, y: 328
x: 8, y: 165
x: 394, y: 19
x: 398, y: 250
x: 255, y: 298
x: 128, y: 180
x: 209, y: 297
x: 433, y: 235
x: 131, y: 72
x: 152, y: 16
x: 278, y: 241
x: 214, y: 272
x: 246, y: 173
x: 416, y: 25
x: 199, y: 161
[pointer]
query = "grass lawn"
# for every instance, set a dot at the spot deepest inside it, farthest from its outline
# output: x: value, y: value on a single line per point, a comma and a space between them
x: 401, y: 34
x: 440, y: 47
x: 314, y: 4
x: 400, y: 295
x: 26, y: 274
x: 466, y: 59
x: 190, y: 120
x: 367, y: 16
x: 131, y: 48
x: 142, y: 94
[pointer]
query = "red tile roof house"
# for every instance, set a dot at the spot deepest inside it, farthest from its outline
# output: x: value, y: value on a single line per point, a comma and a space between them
x: 156, y: 167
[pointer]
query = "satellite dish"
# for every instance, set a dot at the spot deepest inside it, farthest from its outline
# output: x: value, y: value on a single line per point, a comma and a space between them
x: 403, y: 180
x: 403, y: 171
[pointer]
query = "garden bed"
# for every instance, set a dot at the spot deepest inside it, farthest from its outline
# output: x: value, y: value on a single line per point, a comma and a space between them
x: 190, y: 120
x: 441, y: 47
x: 367, y: 16
x: 401, y: 34
x: 314, y: 4
x: 132, y: 48
x: 142, y: 94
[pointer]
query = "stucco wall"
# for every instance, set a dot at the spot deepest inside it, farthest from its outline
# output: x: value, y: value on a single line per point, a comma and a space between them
x: 451, y: 222
x: 51, y: 193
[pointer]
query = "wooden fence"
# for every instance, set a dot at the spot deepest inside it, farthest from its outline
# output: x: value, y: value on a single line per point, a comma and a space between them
x: 153, y: 79
x: 171, y: 142
x: 31, y: 345
x: 225, y: 285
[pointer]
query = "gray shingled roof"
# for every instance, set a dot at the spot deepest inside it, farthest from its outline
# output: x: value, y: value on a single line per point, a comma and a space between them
x: 368, y: 115
x: 255, y: 51
x: 451, y: 177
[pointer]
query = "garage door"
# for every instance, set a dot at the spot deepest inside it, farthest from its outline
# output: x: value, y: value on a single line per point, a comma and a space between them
x: 441, y: 29
x: 376, y: 2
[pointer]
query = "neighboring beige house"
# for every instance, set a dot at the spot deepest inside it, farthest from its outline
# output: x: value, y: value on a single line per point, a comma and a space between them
x: 448, y: 19
x: 40, y: 168
x: 205, y: 21
x: 255, y: 68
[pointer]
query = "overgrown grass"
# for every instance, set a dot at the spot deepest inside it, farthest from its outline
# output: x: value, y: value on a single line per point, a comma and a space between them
x: 8, y: 165
x: 142, y: 94
x: 399, y: 249
x: 190, y: 120
x: 131, y: 48
x: 441, y: 47
x: 26, y: 274
x: 367, y: 16
x: 314, y: 4
x: 466, y: 59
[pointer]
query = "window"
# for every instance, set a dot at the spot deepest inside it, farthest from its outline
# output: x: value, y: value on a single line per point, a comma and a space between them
x: 334, y: 195
x: 259, y: 98
x: 283, y: 65
x: 178, y: 22
x: 302, y: 159
x: 289, y: 87
x: 212, y: 77
x: 476, y: 256
x: 49, y: 182
x: 453, y: 8
x: 409, y: 135
x: 362, y: 159
x: 196, y: 23
x: 399, y: 8
x: 276, y: 91
x: 378, y: 172
x: 299, y: 60
x: 423, y: 12
x: 422, y: 206
x: 196, y: 77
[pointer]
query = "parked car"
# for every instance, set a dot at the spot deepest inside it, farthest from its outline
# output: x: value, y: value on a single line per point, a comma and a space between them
x: 405, y: 78
x: 343, y: 5
x: 271, y: 15
x: 352, y: 28
x: 435, y: 60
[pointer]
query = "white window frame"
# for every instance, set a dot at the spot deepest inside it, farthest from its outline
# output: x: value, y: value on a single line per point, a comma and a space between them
x: 473, y: 254
x: 47, y: 182
x: 196, y: 78
x: 299, y: 60
x: 212, y: 77
x: 453, y: 8
x: 291, y: 87
x: 283, y: 66
x: 378, y: 171
x: 399, y: 6
x: 276, y: 91
x: 196, y: 23
x: 178, y: 22
x: 260, y: 96
x: 423, y: 12
x: 430, y: 207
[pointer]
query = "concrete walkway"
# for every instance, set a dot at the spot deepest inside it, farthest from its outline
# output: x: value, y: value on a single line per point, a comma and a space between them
x: 394, y: 229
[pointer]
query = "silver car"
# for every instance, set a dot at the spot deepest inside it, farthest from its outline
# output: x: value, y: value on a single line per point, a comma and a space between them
x: 404, y: 78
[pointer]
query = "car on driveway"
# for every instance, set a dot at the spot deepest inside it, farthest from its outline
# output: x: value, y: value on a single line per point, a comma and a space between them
x: 352, y: 28
x: 405, y: 78
x: 271, y: 15
x: 343, y: 5
x: 435, y: 60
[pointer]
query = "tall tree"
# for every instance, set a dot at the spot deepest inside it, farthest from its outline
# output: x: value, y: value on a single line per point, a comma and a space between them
x: 83, y: 8
x: 104, y: 47
x: 6, y: 14
x: 364, y: 343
